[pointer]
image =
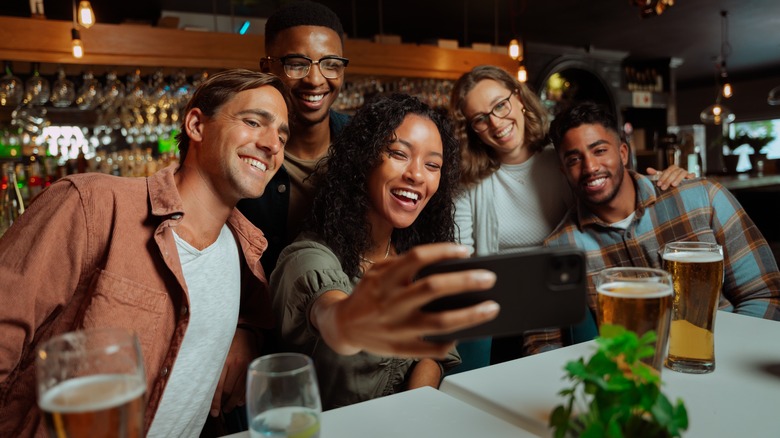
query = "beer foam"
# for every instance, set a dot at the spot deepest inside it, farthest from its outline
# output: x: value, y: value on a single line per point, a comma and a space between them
x: 92, y: 393
x: 693, y: 256
x: 629, y: 289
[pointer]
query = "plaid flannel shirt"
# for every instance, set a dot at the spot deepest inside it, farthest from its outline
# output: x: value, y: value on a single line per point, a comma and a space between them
x: 698, y: 210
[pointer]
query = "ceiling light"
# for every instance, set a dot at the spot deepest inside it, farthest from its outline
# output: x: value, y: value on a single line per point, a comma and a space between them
x: 86, y: 16
x: 522, y: 74
x: 515, y: 49
x: 78, y: 48
x: 651, y: 8
x: 717, y: 113
x: 727, y: 91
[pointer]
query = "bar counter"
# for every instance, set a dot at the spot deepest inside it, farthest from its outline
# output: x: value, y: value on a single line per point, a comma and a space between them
x: 744, y: 181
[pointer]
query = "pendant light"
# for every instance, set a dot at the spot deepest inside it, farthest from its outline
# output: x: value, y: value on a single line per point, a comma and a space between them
x: 718, y: 113
x: 516, y: 51
x: 86, y: 16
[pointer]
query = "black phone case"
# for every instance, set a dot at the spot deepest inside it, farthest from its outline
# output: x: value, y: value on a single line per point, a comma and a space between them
x: 539, y: 288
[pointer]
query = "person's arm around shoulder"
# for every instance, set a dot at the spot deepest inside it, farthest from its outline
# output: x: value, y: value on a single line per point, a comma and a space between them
x: 672, y: 176
x: 383, y: 314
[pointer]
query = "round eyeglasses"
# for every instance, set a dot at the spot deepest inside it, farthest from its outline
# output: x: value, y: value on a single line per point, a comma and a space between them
x: 298, y: 66
x: 501, y: 109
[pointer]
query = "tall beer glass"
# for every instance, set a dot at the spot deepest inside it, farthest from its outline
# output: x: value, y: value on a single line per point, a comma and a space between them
x: 91, y: 384
x: 639, y: 299
x: 697, y: 273
x: 282, y: 397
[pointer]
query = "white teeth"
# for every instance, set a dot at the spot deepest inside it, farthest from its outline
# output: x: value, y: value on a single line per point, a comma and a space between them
x: 313, y: 97
x: 504, y: 132
x: 596, y: 182
x: 411, y: 195
x: 255, y: 163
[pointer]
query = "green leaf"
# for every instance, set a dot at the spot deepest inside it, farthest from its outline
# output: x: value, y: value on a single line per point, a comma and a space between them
x: 619, y: 396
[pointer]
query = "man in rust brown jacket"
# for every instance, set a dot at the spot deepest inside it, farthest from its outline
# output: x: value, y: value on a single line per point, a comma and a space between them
x: 101, y: 251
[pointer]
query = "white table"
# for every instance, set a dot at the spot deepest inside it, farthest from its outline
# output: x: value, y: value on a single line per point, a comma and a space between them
x: 423, y: 413
x: 741, y: 398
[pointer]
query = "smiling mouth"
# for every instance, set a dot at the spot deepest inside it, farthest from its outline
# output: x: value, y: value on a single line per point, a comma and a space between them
x: 406, y: 195
x: 596, y: 182
x: 504, y: 132
x: 314, y: 98
x: 257, y: 164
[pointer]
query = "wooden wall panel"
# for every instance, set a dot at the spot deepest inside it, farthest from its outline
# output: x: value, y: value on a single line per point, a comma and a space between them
x: 48, y: 41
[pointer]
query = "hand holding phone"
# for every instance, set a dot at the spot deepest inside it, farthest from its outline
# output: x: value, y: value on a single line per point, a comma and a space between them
x: 538, y: 288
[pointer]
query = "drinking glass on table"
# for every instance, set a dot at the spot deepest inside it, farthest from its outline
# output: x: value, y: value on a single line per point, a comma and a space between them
x: 697, y: 273
x: 639, y: 299
x: 282, y: 397
x: 91, y: 383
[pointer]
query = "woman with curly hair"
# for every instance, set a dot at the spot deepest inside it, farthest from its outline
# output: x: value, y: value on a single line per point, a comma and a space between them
x: 345, y: 290
x: 509, y: 170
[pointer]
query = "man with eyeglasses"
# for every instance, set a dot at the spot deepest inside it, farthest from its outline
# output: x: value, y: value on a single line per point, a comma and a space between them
x: 304, y: 47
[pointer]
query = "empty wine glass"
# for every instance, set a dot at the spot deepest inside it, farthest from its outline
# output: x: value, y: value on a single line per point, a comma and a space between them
x: 11, y: 88
x: 136, y: 90
x: 37, y: 88
x: 113, y: 92
x: 90, y: 92
x: 63, y: 92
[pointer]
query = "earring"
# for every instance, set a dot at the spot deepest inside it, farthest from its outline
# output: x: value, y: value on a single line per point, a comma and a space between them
x: 522, y: 110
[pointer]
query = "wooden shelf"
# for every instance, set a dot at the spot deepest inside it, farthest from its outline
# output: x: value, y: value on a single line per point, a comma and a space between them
x: 48, y: 41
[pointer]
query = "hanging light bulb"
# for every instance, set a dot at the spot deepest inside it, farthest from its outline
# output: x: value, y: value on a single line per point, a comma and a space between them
x: 727, y: 90
x: 522, y: 74
x: 716, y: 114
x: 515, y: 49
x: 78, y: 48
x: 86, y: 16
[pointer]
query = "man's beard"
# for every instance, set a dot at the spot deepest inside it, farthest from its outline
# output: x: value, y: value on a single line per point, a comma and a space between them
x: 618, y: 179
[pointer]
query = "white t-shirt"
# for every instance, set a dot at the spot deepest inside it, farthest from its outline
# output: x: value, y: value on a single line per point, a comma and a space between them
x: 528, y: 203
x: 213, y: 278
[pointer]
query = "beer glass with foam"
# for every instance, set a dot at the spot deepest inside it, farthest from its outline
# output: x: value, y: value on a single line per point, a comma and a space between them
x: 282, y: 397
x: 697, y: 274
x: 91, y: 383
x: 639, y: 299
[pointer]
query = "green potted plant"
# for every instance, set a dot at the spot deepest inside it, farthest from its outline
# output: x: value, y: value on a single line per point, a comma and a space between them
x: 615, y: 394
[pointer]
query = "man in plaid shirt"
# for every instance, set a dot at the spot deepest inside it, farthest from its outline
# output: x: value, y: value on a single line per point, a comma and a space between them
x: 622, y: 219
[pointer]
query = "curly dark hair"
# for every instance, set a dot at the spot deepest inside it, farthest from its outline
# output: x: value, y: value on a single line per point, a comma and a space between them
x: 341, y: 203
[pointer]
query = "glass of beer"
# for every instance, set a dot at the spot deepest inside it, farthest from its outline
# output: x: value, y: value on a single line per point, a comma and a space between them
x: 282, y: 397
x: 697, y: 273
x: 91, y: 384
x: 639, y: 299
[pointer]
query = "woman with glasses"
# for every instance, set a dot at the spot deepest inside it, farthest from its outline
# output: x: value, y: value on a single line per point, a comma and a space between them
x: 514, y: 192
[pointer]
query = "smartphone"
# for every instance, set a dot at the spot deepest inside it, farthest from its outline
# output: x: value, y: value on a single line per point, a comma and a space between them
x: 537, y: 288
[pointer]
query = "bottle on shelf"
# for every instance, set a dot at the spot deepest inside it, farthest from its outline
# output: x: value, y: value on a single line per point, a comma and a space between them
x: 11, y: 202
